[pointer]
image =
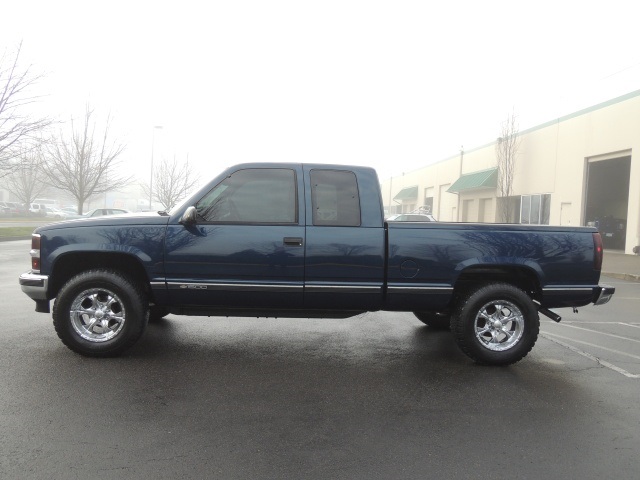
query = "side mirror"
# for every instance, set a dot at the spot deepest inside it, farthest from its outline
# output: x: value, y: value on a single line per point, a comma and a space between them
x: 189, y: 216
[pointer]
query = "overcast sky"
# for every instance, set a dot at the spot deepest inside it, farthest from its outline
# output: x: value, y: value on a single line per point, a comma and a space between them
x: 392, y: 84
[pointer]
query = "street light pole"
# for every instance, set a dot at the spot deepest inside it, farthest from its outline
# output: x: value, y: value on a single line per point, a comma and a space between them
x: 153, y: 142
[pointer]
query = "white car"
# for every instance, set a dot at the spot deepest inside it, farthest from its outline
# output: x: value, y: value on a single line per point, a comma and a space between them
x: 411, y: 217
x: 39, y: 209
x: 98, y: 212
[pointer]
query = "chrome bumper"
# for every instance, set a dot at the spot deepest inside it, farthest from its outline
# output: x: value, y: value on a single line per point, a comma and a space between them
x: 35, y: 285
x: 603, y: 294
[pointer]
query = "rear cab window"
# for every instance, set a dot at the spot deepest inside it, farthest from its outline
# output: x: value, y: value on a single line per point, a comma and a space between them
x: 335, y: 200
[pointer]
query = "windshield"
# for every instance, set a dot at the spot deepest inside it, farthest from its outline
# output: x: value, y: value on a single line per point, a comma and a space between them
x: 178, y: 206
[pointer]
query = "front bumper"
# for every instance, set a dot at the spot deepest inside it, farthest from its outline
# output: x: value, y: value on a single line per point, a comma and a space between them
x: 35, y: 285
x: 603, y: 294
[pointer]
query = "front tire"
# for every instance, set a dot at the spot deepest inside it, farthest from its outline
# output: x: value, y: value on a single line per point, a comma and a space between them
x: 100, y: 313
x: 496, y: 324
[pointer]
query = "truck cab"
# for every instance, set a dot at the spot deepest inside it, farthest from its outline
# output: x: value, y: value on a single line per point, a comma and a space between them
x: 320, y: 232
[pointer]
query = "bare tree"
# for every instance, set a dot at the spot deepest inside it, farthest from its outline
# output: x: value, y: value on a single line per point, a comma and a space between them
x: 507, y: 147
x: 172, y: 182
x: 84, y: 160
x: 27, y: 181
x: 16, y: 126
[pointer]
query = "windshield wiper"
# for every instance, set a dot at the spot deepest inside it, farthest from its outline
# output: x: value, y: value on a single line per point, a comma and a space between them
x: 162, y: 213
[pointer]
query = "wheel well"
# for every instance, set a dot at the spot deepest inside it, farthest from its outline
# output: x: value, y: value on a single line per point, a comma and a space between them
x: 71, y: 264
x: 522, y: 277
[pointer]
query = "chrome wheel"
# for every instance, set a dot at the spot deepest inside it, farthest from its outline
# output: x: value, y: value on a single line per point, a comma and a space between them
x: 100, y: 312
x: 97, y: 315
x: 495, y: 324
x: 499, y: 325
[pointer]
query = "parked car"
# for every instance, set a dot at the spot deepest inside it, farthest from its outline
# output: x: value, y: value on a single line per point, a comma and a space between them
x: 57, y: 213
x: 39, y: 209
x: 411, y: 217
x: 17, y: 209
x: 613, y: 231
x: 5, y: 211
x: 98, y: 212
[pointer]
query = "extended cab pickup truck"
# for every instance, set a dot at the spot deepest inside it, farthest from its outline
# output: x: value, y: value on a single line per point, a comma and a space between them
x: 302, y: 240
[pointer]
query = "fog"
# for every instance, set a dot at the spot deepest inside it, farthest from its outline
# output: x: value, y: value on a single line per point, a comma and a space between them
x: 394, y: 85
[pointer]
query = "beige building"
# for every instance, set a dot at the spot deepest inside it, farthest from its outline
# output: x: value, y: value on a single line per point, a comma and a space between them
x: 576, y: 170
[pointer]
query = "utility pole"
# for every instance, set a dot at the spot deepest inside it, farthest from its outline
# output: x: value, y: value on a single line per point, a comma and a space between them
x: 461, y: 161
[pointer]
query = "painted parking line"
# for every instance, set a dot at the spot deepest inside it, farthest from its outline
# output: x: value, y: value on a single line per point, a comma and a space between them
x: 586, y: 322
x: 617, y: 352
x: 602, y: 333
x: 599, y: 361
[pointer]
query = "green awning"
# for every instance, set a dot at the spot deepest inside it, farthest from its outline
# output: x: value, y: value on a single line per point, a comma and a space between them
x: 476, y: 181
x: 407, y: 193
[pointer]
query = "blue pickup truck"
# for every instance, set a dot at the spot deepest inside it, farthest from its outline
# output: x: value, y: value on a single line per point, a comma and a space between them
x: 307, y: 241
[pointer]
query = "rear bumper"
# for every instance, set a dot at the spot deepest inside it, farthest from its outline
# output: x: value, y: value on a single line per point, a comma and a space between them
x: 576, y: 295
x: 602, y: 294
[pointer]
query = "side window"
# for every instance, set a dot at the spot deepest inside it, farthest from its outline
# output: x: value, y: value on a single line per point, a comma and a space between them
x: 258, y: 195
x: 535, y: 209
x: 334, y: 198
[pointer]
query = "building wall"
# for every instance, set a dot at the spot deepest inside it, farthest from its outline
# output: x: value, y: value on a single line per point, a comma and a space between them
x: 552, y: 159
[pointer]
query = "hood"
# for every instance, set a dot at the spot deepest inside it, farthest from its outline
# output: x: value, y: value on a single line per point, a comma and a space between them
x: 127, y: 219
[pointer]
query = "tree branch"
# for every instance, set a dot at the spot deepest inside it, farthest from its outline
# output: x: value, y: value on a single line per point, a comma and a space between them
x: 78, y: 163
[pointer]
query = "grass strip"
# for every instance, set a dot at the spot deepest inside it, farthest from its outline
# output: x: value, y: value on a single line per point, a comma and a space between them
x: 16, y: 231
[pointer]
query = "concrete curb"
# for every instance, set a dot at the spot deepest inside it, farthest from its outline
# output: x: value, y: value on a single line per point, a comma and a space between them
x: 622, y: 276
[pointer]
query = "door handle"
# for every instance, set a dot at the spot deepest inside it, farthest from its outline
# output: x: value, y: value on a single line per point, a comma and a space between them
x: 293, y: 241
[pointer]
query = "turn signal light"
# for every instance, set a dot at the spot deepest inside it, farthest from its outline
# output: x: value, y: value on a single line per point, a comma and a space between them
x: 35, y: 252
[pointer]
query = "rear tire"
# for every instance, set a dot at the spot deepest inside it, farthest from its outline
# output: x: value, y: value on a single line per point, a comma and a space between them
x: 100, y: 313
x: 496, y: 324
x: 435, y: 320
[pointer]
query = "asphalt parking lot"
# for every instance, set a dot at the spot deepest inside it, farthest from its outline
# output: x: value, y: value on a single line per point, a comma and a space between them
x: 376, y: 396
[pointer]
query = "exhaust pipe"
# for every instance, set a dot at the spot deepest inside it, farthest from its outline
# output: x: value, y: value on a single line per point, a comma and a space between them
x: 548, y: 313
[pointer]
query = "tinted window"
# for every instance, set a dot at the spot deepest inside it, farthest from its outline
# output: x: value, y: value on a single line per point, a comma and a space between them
x: 260, y: 195
x: 334, y: 198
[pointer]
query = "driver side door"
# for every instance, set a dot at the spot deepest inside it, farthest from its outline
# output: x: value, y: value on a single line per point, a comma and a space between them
x: 246, y: 249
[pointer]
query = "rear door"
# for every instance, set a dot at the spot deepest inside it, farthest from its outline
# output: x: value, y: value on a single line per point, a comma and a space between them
x: 344, y: 266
